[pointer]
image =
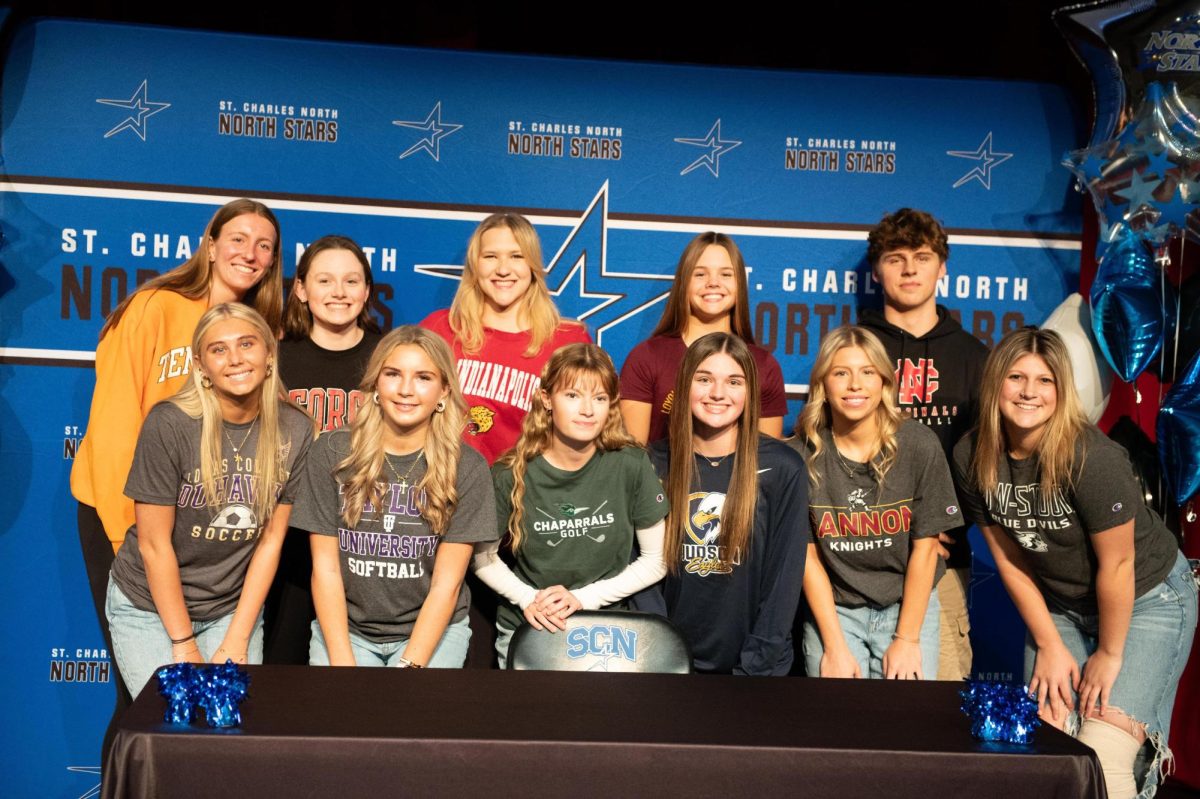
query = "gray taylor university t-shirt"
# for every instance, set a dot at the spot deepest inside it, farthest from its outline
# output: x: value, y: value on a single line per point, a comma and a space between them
x: 213, y: 542
x: 864, y: 533
x: 1054, y: 531
x: 387, y: 557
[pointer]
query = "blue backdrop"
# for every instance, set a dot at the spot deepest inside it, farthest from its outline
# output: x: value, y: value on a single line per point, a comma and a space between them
x: 119, y: 142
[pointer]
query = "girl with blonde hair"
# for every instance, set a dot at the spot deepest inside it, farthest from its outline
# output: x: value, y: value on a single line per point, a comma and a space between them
x: 572, y: 496
x: 1108, y: 599
x: 212, y: 481
x: 709, y: 294
x: 879, y: 493
x: 395, y: 504
x: 736, y: 533
x: 503, y: 327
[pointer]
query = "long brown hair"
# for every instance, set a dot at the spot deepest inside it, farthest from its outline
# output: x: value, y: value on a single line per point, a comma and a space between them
x: 817, y: 415
x: 737, y: 514
x: 297, y: 318
x: 1057, y: 448
x: 537, y: 309
x: 676, y: 314
x: 572, y: 365
x: 193, y: 278
x: 364, y: 465
x: 270, y: 458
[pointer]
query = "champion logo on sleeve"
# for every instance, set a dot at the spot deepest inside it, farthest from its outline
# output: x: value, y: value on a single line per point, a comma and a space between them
x: 953, y: 509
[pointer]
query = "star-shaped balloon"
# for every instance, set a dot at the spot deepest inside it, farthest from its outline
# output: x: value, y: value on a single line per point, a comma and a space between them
x: 1128, y: 314
x: 1178, y: 431
x: 1144, y: 178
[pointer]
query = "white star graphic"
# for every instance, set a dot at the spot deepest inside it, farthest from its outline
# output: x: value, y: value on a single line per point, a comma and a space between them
x: 92, y: 771
x: 435, y: 129
x: 716, y: 147
x: 140, y: 104
x: 988, y: 159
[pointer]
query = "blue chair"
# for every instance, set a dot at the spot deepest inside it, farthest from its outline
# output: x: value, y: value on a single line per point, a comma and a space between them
x: 603, y: 640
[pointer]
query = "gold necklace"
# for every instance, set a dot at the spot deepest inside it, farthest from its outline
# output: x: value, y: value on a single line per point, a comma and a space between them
x: 402, y: 482
x: 237, y: 447
x: 718, y: 461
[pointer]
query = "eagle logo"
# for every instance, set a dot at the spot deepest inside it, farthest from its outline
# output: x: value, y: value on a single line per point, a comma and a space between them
x: 705, y: 521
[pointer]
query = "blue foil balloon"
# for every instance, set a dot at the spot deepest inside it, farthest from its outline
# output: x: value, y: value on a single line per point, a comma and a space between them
x: 1179, y: 433
x: 1000, y: 711
x: 1127, y: 306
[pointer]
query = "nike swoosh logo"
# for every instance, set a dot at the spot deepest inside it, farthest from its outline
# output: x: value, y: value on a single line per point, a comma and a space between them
x: 760, y: 471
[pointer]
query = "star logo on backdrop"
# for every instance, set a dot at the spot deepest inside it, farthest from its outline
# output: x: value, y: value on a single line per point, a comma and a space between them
x: 716, y: 147
x: 580, y: 278
x: 141, y: 106
x: 988, y: 160
x: 435, y: 130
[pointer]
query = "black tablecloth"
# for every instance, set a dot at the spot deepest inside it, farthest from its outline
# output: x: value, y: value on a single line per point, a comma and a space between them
x: 387, y: 732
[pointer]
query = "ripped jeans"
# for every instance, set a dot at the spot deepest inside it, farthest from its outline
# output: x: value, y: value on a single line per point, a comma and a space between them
x: 1156, y: 650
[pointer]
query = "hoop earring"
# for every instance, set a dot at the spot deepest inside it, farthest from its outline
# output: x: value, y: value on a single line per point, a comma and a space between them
x: 375, y: 398
x: 206, y: 382
x: 440, y: 407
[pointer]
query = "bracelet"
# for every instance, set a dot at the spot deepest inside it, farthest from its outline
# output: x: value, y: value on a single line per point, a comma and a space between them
x: 178, y: 641
x: 405, y: 663
x: 899, y: 637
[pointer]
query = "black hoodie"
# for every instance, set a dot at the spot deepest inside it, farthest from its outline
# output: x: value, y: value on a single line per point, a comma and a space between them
x: 937, y: 376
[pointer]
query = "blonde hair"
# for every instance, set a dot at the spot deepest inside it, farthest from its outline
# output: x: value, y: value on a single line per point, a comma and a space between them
x: 737, y: 514
x: 678, y: 310
x: 817, y: 413
x: 572, y: 365
x: 536, y: 310
x: 193, y: 278
x: 199, y: 402
x: 1057, y: 448
x: 364, y: 466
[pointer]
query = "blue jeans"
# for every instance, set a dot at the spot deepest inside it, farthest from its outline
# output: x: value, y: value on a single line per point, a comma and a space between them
x: 451, y: 651
x: 141, y: 644
x: 868, y: 633
x: 1156, y: 650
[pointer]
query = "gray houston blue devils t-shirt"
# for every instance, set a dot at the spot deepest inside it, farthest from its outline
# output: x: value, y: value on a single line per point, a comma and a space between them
x: 862, y: 532
x: 387, y: 558
x: 1053, y: 531
x: 213, y: 542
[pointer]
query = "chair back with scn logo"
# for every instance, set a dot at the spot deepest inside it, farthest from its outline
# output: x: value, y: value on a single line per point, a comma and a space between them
x: 603, y: 640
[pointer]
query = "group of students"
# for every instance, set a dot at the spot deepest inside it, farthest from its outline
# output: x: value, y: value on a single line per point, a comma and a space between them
x: 665, y: 490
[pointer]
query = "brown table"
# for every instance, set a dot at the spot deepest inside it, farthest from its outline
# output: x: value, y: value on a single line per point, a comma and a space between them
x: 388, y: 732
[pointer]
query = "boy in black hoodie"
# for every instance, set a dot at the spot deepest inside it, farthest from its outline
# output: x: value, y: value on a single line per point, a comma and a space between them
x: 938, y: 366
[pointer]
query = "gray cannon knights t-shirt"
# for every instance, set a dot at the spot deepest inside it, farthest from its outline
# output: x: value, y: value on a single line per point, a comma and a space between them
x: 387, y: 557
x: 864, y: 534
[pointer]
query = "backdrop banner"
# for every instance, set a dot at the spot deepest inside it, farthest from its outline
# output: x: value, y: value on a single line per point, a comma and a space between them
x: 118, y: 143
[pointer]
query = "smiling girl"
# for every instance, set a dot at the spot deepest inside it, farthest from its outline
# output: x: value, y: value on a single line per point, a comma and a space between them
x: 1108, y: 599
x: 880, y: 492
x: 572, y: 496
x: 502, y: 327
x: 737, y: 531
x: 330, y: 336
x: 144, y: 356
x: 395, y: 504
x: 709, y: 294
x: 212, y: 481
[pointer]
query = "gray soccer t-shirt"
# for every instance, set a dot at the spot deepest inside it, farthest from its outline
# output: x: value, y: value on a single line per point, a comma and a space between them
x: 579, y: 526
x: 863, y: 532
x: 213, y: 542
x: 1054, y: 532
x: 387, y: 557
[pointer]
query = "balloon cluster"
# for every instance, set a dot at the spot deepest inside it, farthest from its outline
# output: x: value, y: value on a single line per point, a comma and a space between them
x: 217, y: 690
x: 1000, y: 711
x: 1142, y: 170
